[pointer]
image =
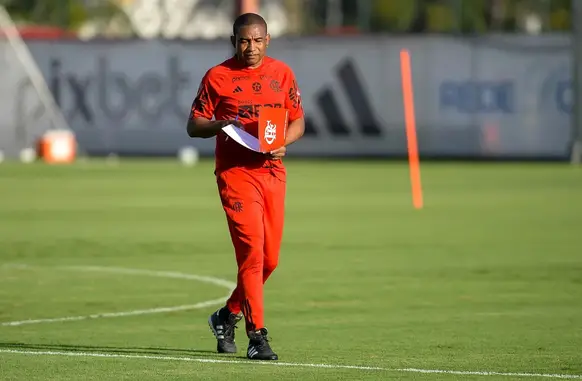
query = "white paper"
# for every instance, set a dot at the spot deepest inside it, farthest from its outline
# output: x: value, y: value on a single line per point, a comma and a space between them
x: 242, y: 137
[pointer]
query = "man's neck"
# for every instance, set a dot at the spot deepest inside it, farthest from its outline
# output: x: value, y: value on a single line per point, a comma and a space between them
x: 257, y: 65
x: 250, y: 67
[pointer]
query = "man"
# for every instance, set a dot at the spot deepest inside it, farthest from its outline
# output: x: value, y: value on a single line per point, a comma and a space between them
x: 251, y: 185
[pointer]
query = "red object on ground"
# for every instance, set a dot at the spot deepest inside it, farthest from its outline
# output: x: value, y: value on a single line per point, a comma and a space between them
x: 44, y: 32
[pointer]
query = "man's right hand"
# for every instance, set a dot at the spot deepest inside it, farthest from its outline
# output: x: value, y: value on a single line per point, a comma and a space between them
x: 234, y: 122
x: 203, y: 128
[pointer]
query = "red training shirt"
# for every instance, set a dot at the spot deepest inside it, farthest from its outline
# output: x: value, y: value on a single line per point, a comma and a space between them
x: 230, y: 89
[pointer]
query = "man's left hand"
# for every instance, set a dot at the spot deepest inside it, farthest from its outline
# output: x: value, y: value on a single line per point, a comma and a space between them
x: 277, y: 154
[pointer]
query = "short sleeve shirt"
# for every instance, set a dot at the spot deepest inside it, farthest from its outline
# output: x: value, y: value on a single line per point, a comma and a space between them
x: 230, y: 90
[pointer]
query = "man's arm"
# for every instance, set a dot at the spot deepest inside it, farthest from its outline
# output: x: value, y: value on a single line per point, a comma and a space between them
x: 296, y: 127
x: 199, y: 127
x: 295, y: 131
x: 200, y: 123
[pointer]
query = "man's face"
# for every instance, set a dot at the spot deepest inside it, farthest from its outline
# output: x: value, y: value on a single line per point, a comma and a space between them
x: 251, y: 44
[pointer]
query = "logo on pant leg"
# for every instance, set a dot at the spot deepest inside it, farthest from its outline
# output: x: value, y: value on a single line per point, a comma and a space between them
x: 237, y: 206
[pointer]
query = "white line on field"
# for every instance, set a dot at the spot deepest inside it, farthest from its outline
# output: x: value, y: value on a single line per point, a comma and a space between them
x: 118, y: 314
x: 159, y: 274
x: 284, y: 364
x: 485, y: 373
x: 116, y: 270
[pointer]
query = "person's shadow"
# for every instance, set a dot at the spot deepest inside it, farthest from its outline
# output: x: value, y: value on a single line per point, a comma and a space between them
x: 149, y: 351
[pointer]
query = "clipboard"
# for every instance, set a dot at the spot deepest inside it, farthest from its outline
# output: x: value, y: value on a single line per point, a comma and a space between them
x: 271, y: 133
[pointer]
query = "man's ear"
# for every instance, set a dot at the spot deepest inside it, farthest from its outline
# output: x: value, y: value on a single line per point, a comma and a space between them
x: 268, y: 39
x: 233, y: 41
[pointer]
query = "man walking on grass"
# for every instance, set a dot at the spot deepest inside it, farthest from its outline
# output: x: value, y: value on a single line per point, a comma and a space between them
x: 251, y: 185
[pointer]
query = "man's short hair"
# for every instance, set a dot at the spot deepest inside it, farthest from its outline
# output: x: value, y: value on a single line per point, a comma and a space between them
x: 247, y: 19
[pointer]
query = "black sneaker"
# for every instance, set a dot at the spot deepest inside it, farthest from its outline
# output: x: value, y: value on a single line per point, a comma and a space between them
x: 223, y: 323
x: 259, y: 348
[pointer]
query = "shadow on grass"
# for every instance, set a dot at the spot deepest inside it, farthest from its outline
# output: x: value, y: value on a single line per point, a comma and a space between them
x: 151, y: 351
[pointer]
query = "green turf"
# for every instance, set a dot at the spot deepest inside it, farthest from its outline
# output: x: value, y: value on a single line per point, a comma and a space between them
x: 487, y: 277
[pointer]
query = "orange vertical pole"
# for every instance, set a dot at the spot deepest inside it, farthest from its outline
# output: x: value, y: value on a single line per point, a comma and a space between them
x: 410, y: 120
x: 247, y: 6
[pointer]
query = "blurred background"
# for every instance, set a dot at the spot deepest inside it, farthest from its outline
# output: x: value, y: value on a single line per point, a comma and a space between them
x: 492, y: 78
x: 192, y: 19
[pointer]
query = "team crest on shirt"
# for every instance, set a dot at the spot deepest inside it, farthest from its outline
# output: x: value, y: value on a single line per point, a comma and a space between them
x: 275, y: 86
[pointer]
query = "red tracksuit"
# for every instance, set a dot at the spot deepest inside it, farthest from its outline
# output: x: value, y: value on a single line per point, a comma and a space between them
x: 252, y: 188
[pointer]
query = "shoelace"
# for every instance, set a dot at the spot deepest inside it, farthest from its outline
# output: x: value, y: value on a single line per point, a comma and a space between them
x: 229, y: 331
x: 263, y: 341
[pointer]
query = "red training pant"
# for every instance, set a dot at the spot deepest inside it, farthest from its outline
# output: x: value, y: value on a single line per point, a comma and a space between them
x: 254, y: 203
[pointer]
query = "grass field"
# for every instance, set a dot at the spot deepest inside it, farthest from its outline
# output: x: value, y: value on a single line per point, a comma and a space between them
x: 486, y: 278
